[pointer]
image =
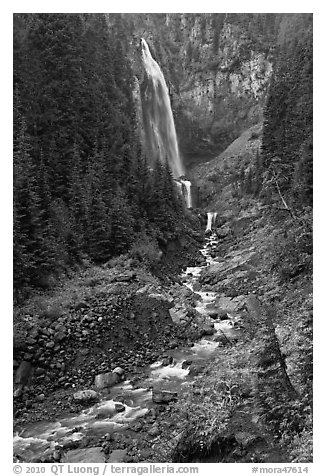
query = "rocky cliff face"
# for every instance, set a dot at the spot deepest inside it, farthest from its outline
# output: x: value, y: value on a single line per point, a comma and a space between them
x: 218, y: 68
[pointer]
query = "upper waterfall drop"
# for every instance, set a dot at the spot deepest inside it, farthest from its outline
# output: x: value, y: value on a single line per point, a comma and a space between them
x: 158, y: 117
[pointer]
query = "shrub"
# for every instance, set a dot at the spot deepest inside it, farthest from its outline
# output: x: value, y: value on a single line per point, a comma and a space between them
x: 292, y: 247
x: 146, y: 250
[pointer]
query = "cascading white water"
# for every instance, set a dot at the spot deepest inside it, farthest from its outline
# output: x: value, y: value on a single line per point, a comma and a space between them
x: 179, y: 185
x: 187, y: 195
x: 211, y: 217
x: 184, y: 188
x: 158, y: 121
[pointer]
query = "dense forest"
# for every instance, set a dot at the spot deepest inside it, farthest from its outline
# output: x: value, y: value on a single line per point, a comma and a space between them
x: 82, y: 188
x: 281, y: 173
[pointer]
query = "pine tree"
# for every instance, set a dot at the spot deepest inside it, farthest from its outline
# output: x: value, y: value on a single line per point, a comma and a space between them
x: 99, y: 240
x: 287, y: 130
x: 122, y: 224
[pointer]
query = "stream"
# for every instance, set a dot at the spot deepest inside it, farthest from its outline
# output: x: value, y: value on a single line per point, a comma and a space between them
x: 37, y: 439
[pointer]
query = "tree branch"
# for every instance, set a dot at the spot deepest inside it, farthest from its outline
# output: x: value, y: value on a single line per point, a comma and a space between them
x: 286, y: 207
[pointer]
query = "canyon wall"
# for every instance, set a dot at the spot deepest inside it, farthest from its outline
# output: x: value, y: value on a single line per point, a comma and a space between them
x: 217, y: 68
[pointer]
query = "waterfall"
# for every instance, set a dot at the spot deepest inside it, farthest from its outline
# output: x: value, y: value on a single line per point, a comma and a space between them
x: 158, y: 118
x: 179, y: 185
x: 184, y: 188
x: 187, y: 195
x: 211, y: 217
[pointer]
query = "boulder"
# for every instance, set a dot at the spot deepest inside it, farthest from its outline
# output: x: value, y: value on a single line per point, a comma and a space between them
x: 60, y: 335
x: 221, y: 339
x: 18, y: 391
x: 246, y: 439
x: 186, y: 364
x: 154, y: 431
x: 84, y: 455
x: 107, y: 380
x: 226, y: 304
x: 223, y: 232
x: 178, y: 315
x: 126, y: 277
x: 223, y: 316
x: 119, y: 371
x: 167, y: 361
x: 164, y: 396
x: 208, y: 331
x: 117, y: 456
x: 24, y: 373
x: 85, y: 396
x: 197, y: 368
x: 196, y: 286
x: 161, y: 297
x: 212, y: 312
x: 31, y: 341
x: 103, y: 413
x: 173, y: 344
x: 80, y: 305
x: 119, y: 407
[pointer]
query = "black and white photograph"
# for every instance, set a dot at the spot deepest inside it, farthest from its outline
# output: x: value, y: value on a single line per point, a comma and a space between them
x: 162, y: 240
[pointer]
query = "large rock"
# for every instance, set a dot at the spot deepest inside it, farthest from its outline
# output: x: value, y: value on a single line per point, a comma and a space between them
x: 208, y: 331
x: 226, y: 304
x: 178, y: 316
x: 85, y: 396
x: 24, y: 373
x: 196, y: 286
x: 117, y: 456
x: 197, y: 368
x: 221, y: 339
x: 164, y: 396
x: 167, y: 360
x: 186, y: 364
x: 119, y: 371
x: 212, y: 312
x: 223, y: 232
x: 126, y: 277
x: 84, y: 455
x: 107, y: 380
x: 162, y: 297
x: 246, y: 439
x: 154, y: 431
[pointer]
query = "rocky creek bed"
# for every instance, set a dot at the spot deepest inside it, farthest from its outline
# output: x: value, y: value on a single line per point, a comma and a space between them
x: 112, y: 405
x: 190, y: 395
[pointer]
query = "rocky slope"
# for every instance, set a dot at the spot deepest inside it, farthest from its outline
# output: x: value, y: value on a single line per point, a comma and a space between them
x: 103, y: 317
x: 219, y: 178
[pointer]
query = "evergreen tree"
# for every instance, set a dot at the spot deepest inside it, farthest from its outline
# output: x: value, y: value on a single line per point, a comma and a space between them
x: 122, y: 224
x: 287, y: 132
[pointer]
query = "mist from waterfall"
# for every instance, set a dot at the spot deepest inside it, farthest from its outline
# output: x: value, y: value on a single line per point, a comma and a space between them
x: 158, y: 121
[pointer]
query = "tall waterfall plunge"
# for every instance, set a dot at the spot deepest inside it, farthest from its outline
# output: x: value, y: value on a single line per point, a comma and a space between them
x: 159, y: 125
